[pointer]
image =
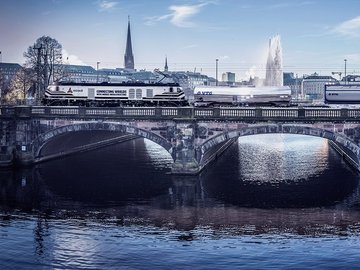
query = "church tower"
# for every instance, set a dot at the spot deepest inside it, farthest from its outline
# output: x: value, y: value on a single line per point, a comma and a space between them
x: 166, y: 68
x: 129, y: 57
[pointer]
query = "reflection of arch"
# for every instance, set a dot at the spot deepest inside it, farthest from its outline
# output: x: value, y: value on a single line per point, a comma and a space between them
x: 288, y: 129
x: 41, y: 140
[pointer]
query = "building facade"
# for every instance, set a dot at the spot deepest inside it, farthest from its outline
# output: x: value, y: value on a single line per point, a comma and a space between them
x: 294, y: 83
x: 228, y: 78
x: 7, y: 73
x: 313, y: 86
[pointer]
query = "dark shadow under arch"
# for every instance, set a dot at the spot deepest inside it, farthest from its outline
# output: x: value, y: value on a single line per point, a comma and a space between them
x: 276, y: 129
x: 42, y: 140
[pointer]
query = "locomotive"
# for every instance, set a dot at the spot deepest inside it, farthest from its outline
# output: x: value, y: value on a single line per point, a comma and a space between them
x: 115, y: 94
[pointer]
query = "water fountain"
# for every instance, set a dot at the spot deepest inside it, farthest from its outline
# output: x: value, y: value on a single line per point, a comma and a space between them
x: 274, y: 67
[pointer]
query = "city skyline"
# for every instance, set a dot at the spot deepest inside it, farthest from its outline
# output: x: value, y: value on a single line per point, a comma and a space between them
x: 316, y: 36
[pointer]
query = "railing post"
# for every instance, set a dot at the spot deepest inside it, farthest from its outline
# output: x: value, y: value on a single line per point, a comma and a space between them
x: 216, y: 112
x: 258, y: 112
x: 301, y: 112
x: 158, y: 112
x: 82, y: 111
x: 119, y: 112
x: 344, y: 113
x: 23, y: 111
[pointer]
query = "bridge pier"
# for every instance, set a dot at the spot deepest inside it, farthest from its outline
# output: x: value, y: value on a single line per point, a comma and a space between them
x: 185, y: 164
x: 188, y: 156
x: 24, y: 156
x: 6, y: 156
x: 184, y: 151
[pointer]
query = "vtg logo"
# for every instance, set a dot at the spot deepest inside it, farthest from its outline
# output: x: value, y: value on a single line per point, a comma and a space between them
x: 204, y: 92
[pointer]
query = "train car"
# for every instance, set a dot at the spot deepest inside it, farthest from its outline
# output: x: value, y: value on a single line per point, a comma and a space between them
x: 205, y: 96
x: 342, y: 94
x: 119, y: 94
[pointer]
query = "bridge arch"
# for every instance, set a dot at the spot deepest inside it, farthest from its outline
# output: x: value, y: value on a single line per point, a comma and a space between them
x: 284, y: 129
x: 44, y: 138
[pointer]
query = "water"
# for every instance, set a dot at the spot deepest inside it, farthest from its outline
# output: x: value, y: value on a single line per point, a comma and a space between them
x: 270, y: 202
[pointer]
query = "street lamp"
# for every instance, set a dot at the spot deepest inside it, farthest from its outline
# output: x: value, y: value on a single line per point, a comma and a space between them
x: 217, y: 60
x: 97, y: 72
x: 55, y: 57
x: 38, y: 94
x: 345, y: 60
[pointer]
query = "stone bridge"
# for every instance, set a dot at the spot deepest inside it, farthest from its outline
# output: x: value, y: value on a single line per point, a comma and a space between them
x: 193, y: 136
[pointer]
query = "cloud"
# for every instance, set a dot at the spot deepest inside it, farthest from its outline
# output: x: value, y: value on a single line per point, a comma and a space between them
x: 190, y: 46
x: 354, y: 57
x: 349, y: 28
x: 290, y: 4
x: 178, y: 16
x: 105, y: 5
x: 71, y: 59
x: 223, y: 57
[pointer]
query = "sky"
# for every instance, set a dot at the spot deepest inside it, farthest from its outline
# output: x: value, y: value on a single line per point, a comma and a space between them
x: 316, y: 35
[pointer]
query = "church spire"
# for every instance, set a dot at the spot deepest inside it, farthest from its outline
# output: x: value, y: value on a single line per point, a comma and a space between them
x: 166, y: 68
x: 129, y: 57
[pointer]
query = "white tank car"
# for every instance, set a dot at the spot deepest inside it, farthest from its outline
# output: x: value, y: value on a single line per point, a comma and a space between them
x: 342, y: 94
x: 242, y: 96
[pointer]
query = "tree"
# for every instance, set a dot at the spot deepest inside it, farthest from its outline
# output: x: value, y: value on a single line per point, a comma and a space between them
x: 20, y: 85
x: 43, y: 57
x: 2, y: 85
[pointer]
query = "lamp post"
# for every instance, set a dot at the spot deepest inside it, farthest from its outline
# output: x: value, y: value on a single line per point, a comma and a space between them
x: 345, y: 60
x: 217, y: 61
x: 97, y: 72
x: 55, y: 57
x: 38, y: 63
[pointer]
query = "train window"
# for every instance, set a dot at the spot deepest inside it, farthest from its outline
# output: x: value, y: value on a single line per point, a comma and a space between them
x: 131, y: 93
x: 91, y: 93
x: 171, y: 89
x: 57, y: 88
x: 138, y: 93
x: 149, y: 93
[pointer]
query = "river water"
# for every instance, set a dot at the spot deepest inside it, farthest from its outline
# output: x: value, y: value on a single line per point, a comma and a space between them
x: 269, y: 202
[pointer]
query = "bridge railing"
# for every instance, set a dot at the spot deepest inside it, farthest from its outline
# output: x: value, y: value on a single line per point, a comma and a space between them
x: 223, y: 113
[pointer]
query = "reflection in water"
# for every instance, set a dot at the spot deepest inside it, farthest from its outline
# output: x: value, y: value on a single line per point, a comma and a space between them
x: 284, y: 171
x: 275, y: 171
x: 89, y: 204
x: 284, y: 158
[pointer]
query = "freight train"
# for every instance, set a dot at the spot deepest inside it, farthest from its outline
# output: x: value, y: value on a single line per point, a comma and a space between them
x: 158, y: 94
x: 111, y: 94
x: 205, y: 96
x: 342, y: 94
